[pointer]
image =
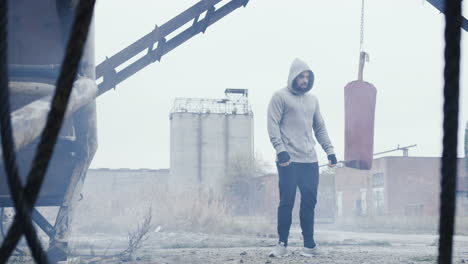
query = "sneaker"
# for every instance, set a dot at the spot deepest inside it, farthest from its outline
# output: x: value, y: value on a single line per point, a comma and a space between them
x: 279, y: 251
x: 310, y: 252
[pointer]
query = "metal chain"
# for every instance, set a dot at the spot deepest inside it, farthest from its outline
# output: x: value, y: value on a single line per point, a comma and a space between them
x: 361, y: 44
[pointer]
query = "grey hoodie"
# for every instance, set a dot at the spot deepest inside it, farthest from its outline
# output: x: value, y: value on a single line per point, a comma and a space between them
x: 293, y: 115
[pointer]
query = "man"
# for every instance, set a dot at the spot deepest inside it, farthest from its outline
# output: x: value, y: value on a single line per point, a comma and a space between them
x: 293, y: 114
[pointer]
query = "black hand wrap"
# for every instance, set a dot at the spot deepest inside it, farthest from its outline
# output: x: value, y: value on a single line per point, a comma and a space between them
x: 283, y: 157
x: 332, y: 159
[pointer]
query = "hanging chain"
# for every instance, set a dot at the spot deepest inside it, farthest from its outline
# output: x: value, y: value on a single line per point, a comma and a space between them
x: 361, y: 45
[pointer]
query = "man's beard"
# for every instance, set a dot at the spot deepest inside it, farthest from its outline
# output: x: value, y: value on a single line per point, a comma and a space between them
x: 300, y: 87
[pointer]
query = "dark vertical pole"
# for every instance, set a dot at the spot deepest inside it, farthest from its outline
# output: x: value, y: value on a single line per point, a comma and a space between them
x: 453, y: 20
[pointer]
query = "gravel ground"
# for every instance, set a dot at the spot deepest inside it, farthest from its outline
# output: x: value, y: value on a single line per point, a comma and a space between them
x: 337, y: 247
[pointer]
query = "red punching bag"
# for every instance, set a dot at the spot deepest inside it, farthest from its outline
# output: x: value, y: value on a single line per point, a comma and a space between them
x: 360, y: 98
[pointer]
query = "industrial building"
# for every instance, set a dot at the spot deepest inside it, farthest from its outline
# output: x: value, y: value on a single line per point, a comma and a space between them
x: 396, y: 186
x: 124, y: 179
x: 209, y: 137
x: 121, y: 187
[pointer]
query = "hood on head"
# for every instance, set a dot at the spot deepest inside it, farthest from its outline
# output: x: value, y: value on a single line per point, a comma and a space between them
x: 297, y: 67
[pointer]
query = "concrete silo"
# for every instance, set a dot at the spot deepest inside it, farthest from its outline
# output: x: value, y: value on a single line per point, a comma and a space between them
x: 207, y: 137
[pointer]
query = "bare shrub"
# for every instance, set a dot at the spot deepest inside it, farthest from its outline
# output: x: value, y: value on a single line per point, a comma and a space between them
x: 192, y: 210
x: 137, y: 237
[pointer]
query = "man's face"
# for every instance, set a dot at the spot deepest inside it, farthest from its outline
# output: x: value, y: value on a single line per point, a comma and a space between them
x: 302, y: 80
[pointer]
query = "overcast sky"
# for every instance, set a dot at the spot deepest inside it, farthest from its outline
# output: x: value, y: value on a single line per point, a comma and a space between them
x: 253, y: 48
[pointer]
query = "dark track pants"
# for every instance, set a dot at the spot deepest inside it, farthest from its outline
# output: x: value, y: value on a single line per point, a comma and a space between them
x: 306, y: 177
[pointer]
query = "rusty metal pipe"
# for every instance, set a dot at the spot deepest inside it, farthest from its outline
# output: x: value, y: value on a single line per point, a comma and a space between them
x: 31, y: 88
x: 29, y: 121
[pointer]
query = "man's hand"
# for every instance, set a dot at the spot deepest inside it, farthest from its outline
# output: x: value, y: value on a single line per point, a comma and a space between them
x: 332, y: 160
x: 284, y: 159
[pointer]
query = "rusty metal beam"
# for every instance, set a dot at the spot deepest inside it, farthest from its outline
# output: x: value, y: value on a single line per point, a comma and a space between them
x: 86, y: 132
x: 107, y: 69
x: 42, y: 222
x: 154, y: 36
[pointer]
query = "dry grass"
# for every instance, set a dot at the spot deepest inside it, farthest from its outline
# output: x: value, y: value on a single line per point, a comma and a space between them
x: 188, y: 211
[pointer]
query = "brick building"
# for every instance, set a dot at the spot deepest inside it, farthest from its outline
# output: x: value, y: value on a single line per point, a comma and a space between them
x: 396, y: 186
